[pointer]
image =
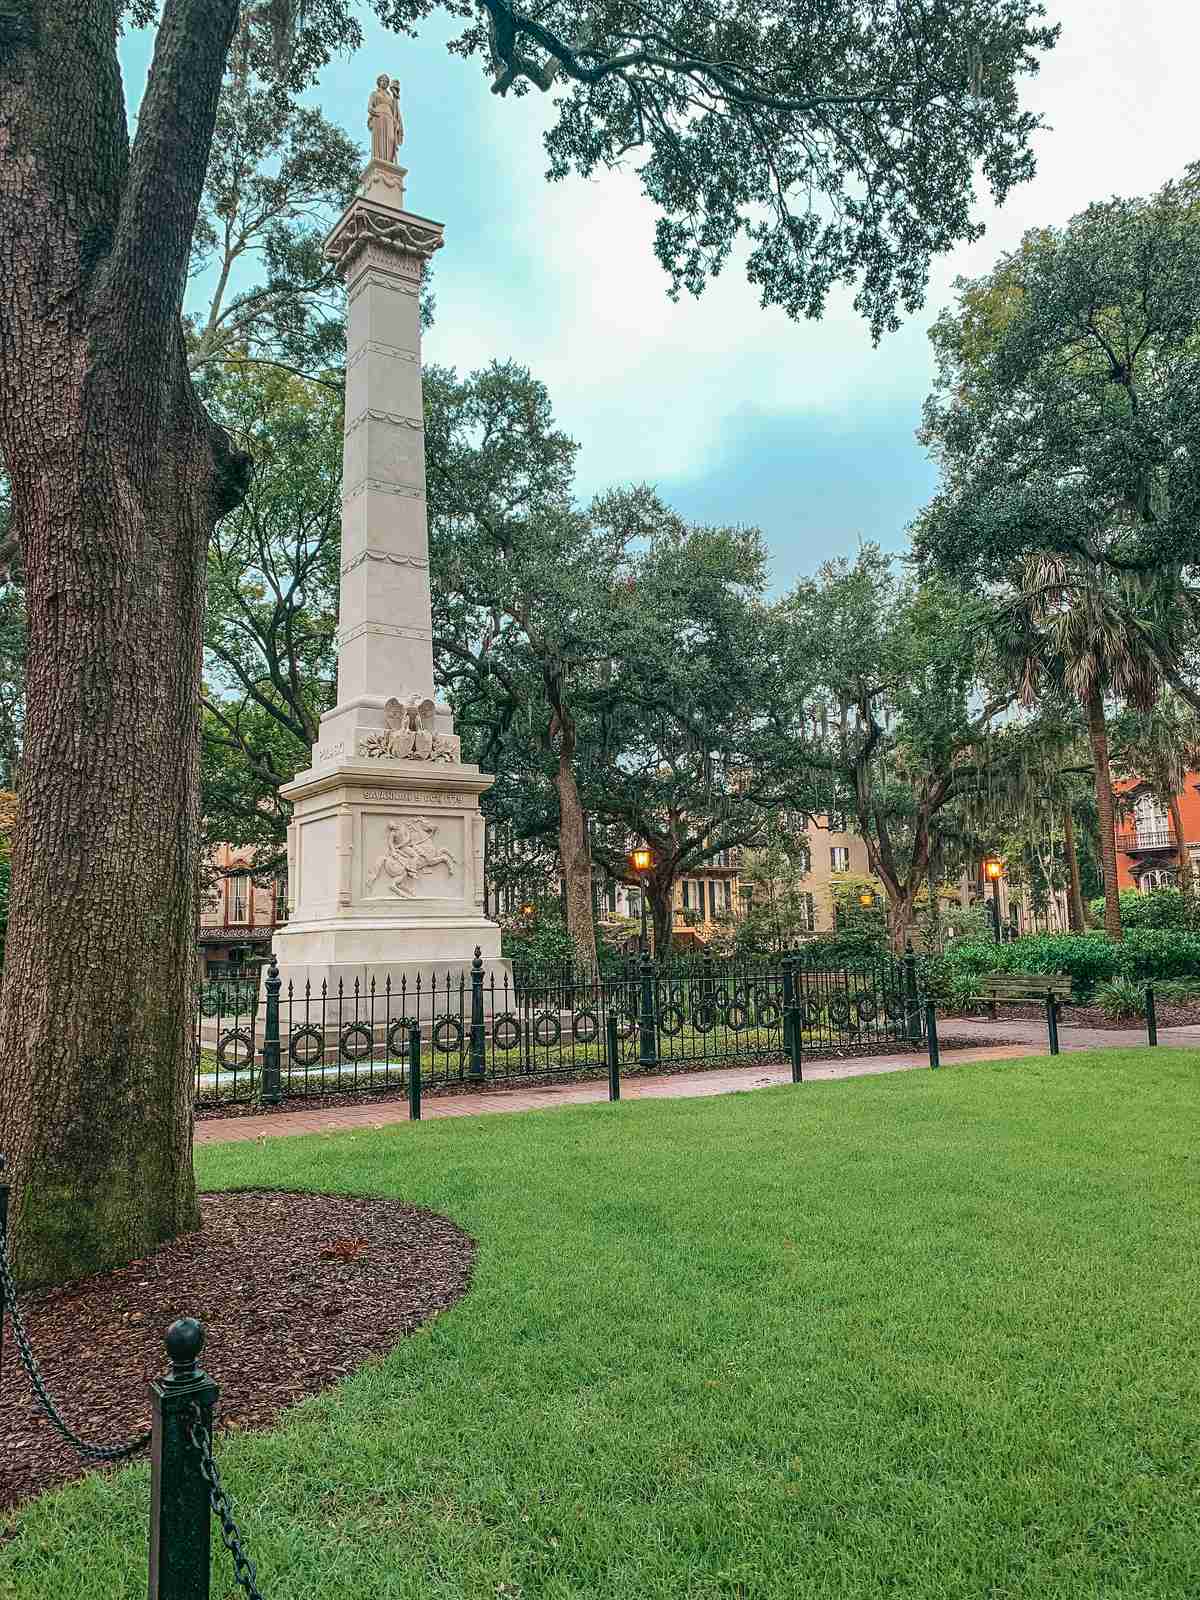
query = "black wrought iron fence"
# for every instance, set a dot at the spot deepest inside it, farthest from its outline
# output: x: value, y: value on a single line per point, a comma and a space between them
x: 474, y: 1026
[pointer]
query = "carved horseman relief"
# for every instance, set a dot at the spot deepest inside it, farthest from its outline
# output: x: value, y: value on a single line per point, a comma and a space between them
x: 407, y: 735
x: 412, y: 851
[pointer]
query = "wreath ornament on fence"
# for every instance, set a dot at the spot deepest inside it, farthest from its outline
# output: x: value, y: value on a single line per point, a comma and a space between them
x: 306, y: 1045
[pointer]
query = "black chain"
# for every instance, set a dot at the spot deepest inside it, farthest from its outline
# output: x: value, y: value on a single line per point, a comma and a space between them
x: 92, y: 1452
x: 243, y: 1568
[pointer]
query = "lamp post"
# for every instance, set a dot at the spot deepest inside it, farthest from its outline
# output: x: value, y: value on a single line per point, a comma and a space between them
x: 993, y: 871
x: 640, y: 861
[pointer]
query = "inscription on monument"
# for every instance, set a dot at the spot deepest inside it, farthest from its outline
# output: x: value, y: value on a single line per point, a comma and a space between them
x: 422, y: 797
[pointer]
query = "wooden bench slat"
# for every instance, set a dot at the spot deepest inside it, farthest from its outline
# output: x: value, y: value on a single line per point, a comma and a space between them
x: 1024, y: 985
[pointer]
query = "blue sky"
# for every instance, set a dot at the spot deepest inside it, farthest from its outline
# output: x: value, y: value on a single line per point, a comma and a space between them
x: 737, y: 414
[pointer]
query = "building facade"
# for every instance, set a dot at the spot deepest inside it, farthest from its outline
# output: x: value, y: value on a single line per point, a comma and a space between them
x: 1148, y: 834
x: 238, y: 914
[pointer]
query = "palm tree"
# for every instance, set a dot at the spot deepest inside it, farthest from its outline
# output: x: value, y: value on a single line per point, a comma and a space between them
x: 1160, y: 748
x: 1089, y: 638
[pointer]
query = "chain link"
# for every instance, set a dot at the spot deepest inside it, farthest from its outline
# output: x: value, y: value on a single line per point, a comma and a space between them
x: 243, y: 1568
x: 91, y: 1452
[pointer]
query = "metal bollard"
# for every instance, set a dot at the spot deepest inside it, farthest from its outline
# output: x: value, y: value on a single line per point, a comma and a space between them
x: 179, y: 1498
x: 935, y: 1055
x: 796, y: 1045
x: 614, y: 1058
x: 1052, y: 1022
x: 272, y: 1086
x: 414, y: 1072
x: 1151, y: 1016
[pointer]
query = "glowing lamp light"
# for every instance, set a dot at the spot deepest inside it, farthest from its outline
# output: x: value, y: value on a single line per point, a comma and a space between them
x: 641, y: 859
x: 993, y: 869
x: 527, y: 909
x: 866, y: 898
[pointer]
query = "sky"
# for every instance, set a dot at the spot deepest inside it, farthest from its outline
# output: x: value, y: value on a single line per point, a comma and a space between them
x: 735, y: 413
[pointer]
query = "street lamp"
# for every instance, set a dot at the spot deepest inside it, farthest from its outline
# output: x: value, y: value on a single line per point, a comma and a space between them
x: 640, y: 861
x: 527, y: 909
x: 993, y: 870
x: 866, y: 899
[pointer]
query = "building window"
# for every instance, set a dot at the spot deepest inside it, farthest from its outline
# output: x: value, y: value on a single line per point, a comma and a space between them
x: 1156, y: 878
x: 1151, y: 823
x: 684, y: 892
x: 808, y: 913
x: 839, y: 858
x: 712, y: 897
x: 837, y: 822
x: 728, y: 895
x: 239, y: 900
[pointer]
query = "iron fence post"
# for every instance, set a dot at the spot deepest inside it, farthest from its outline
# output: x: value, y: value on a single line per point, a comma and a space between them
x: 912, y: 1004
x: 414, y: 1072
x: 1052, y: 1022
x: 789, y: 1002
x: 272, y: 1087
x: 179, y: 1502
x: 478, y: 1061
x: 935, y: 1057
x: 614, y: 1056
x: 796, y: 1045
x: 4, y: 1191
x: 1151, y: 1016
x: 648, y: 1042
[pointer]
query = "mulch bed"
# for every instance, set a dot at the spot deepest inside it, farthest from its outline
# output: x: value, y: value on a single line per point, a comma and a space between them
x: 1073, y: 1016
x: 594, y: 1072
x: 295, y: 1292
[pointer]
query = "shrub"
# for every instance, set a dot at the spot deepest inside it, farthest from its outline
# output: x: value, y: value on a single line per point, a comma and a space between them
x: 1086, y: 958
x: 1120, y: 998
x: 1161, y: 908
x: 843, y: 949
x: 1179, y: 991
x: 1148, y: 954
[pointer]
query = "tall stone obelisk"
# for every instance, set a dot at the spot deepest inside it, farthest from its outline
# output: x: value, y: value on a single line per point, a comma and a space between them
x: 385, y: 849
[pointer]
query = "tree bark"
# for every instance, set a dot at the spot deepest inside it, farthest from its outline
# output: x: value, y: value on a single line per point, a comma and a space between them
x: 1105, y: 813
x: 574, y: 849
x: 1075, y: 917
x: 1182, y: 859
x: 117, y: 480
x: 662, y: 908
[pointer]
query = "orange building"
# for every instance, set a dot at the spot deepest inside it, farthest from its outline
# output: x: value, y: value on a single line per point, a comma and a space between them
x: 1148, y: 834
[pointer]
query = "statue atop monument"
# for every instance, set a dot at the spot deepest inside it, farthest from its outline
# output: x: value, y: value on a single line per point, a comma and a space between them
x: 384, y: 121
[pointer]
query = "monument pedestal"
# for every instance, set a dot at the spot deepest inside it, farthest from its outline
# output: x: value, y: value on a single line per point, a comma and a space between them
x: 385, y: 867
x: 385, y: 849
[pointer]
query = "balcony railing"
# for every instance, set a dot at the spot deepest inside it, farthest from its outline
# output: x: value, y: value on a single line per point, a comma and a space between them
x: 1147, y: 839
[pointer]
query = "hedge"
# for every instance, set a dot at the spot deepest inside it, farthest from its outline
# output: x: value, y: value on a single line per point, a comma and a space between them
x: 1144, y: 955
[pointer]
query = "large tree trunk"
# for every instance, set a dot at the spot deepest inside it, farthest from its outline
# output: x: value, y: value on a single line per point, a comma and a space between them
x: 1182, y: 859
x: 1075, y: 917
x: 574, y: 850
x: 117, y: 479
x: 662, y: 909
x: 1105, y: 814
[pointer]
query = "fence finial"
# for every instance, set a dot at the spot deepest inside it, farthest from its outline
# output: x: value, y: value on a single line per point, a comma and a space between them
x: 184, y: 1341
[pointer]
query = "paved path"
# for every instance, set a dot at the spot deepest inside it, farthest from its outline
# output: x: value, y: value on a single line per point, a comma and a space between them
x: 726, y: 1080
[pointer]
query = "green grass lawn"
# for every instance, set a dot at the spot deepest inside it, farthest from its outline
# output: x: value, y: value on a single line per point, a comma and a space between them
x: 926, y: 1335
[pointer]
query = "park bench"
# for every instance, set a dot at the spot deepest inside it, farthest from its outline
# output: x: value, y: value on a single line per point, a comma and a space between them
x: 1023, y: 987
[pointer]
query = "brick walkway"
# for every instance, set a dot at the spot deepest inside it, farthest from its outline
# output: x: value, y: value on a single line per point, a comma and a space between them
x: 727, y: 1080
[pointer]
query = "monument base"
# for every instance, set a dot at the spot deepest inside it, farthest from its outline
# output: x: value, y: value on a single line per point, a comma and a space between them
x: 385, y: 877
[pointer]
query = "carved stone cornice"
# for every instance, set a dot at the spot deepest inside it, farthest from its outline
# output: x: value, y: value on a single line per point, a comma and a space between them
x: 367, y: 225
x: 396, y: 418
x: 388, y: 556
x: 406, y: 491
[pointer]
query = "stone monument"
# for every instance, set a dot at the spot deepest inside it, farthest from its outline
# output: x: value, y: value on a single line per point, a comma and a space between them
x: 385, y: 848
